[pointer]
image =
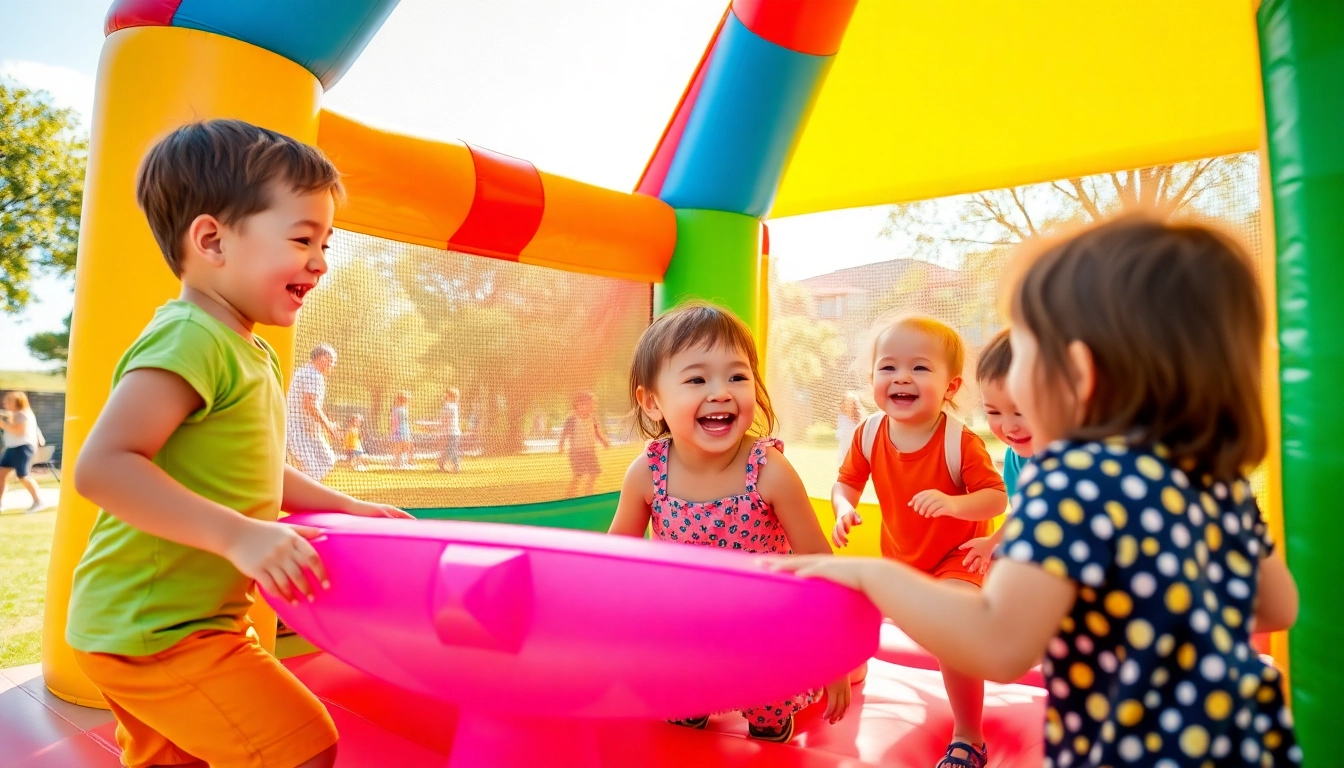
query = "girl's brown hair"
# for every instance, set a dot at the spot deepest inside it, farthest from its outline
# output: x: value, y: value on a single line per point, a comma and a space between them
x: 1173, y: 317
x: 694, y: 325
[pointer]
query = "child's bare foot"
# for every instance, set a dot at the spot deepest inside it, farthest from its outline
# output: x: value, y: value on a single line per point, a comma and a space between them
x: 859, y: 675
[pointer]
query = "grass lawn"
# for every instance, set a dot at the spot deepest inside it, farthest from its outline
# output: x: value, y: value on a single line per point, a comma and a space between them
x: 32, y: 381
x: 25, y: 548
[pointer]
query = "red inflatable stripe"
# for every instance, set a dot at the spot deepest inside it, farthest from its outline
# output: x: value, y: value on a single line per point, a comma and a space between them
x: 140, y: 13
x: 805, y: 26
x: 506, y: 208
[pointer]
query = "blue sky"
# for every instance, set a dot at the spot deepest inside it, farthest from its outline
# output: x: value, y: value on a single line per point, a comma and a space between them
x: 582, y: 89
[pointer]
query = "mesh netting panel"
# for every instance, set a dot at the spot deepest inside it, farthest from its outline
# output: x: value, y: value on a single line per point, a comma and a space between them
x: 953, y: 251
x: 518, y: 343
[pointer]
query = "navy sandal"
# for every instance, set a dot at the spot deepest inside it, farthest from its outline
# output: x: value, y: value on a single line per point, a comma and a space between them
x: 696, y: 723
x: 780, y: 735
x: 976, y: 757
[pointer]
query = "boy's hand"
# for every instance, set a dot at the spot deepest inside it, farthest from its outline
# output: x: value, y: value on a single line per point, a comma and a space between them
x: 368, y: 509
x: 846, y: 520
x: 276, y: 555
x: 837, y: 700
x: 980, y: 551
x: 935, y: 504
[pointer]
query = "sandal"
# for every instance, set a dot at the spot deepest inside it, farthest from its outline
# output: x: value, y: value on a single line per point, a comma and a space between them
x: 975, y: 757
x: 696, y: 723
x: 780, y: 735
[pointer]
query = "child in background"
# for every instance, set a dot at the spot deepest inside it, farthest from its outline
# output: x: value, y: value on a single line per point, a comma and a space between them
x: 1136, y: 559
x: 400, y: 423
x: 187, y: 461
x: 450, y: 425
x: 1007, y: 424
x: 582, y: 434
x: 353, y: 444
x: 935, y: 483
x: 22, y: 438
x: 709, y: 477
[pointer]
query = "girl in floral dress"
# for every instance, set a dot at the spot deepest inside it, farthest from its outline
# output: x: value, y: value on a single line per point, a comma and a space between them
x: 711, y: 476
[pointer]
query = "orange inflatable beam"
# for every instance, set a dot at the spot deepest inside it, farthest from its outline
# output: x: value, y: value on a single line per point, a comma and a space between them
x: 425, y: 192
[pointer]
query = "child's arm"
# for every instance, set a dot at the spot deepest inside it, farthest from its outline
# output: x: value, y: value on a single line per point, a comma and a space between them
x: 845, y: 505
x: 1275, y: 596
x: 984, y: 504
x: 635, y: 507
x: 566, y: 434
x: 601, y: 438
x: 115, y: 472
x: 996, y: 633
x: 304, y: 494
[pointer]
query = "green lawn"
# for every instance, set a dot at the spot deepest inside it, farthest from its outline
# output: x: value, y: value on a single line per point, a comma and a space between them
x: 32, y: 381
x: 25, y: 548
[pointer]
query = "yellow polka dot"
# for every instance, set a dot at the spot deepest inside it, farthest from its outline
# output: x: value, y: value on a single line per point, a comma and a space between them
x: 1178, y: 597
x: 1238, y: 492
x: 1231, y: 617
x: 1034, y: 490
x: 1265, y: 696
x: 1119, y: 516
x: 1273, y: 739
x: 1186, y: 657
x: 1164, y: 645
x: 1153, y: 742
x: 1080, y: 675
x: 1210, y: 506
x: 1098, y: 707
x: 1097, y: 624
x: 1078, y: 460
x: 1191, y: 569
x: 1049, y: 534
x: 1055, y: 567
x: 1160, y: 677
x: 1050, y: 465
x: 1173, y: 500
x: 1087, y: 594
x: 1238, y: 563
x: 1067, y: 624
x: 1195, y: 741
x: 1119, y: 604
x: 1218, y: 705
x: 1071, y: 511
x: 1161, y: 451
x: 1249, y: 685
x: 1213, y: 536
x: 1110, y: 467
x: 1129, y: 713
x: 1013, y: 529
x: 1126, y: 551
x: 1150, y: 546
x: 1149, y: 467
x: 1054, y: 728
x: 1222, y: 639
x: 1080, y: 745
x: 1139, y: 633
x: 1211, y: 601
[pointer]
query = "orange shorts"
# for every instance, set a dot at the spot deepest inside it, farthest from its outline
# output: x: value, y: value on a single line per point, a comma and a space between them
x: 216, y: 697
x: 950, y: 567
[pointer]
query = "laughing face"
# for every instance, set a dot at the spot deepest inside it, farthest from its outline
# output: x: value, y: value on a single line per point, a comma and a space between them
x: 1005, y: 421
x: 274, y: 258
x: 911, y: 376
x: 706, y: 396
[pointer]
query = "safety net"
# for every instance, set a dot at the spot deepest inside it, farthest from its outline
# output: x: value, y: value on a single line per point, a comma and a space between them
x: 945, y: 257
x: 456, y: 375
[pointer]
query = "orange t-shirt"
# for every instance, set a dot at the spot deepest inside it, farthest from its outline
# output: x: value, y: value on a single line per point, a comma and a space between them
x: 923, y: 542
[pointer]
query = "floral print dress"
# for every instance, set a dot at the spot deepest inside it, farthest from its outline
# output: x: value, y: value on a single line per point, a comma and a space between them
x: 744, y: 522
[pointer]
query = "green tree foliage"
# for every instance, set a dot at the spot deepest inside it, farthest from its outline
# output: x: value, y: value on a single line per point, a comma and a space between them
x: 52, y: 346
x: 41, y: 190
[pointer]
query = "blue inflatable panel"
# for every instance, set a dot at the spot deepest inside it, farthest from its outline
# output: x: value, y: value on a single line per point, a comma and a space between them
x: 324, y: 36
x: 753, y: 100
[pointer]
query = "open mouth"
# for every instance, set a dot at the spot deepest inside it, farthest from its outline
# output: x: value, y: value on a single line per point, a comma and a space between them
x: 717, y: 424
x: 1018, y: 440
x: 299, y: 290
x: 903, y: 398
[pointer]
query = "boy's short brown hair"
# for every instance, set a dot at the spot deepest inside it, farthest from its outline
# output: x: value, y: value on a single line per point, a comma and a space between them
x: 995, y: 359
x: 223, y: 168
x: 1174, y: 319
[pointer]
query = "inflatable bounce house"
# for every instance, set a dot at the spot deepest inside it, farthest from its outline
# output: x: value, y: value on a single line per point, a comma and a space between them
x: 459, y: 272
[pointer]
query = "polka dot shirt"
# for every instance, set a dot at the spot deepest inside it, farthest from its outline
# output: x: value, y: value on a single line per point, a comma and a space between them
x: 1153, y: 665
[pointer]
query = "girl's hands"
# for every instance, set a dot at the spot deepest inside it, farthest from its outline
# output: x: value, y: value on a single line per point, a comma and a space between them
x: 369, y: 509
x: 849, y: 571
x: 935, y: 504
x: 838, y: 695
x: 979, y: 552
x: 847, y: 520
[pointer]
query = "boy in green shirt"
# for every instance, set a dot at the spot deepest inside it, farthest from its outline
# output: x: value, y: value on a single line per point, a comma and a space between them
x: 187, y: 462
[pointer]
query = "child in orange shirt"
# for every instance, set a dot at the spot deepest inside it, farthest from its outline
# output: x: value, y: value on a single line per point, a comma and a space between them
x: 936, y: 491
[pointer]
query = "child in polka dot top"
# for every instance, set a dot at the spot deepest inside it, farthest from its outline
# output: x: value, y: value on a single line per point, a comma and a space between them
x: 710, y: 477
x: 1136, y: 558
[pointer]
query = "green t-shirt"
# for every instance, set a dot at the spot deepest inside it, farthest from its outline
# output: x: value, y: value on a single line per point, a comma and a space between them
x: 136, y: 594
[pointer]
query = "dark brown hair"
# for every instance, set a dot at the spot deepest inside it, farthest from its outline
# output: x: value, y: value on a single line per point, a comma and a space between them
x: 690, y: 326
x: 995, y: 359
x: 1173, y: 317
x: 223, y: 168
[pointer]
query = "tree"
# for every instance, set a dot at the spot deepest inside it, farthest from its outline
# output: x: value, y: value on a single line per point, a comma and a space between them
x: 804, y: 352
x: 41, y: 190
x: 52, y: 346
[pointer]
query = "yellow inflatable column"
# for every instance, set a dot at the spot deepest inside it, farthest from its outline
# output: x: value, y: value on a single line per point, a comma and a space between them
x: 150, y: 80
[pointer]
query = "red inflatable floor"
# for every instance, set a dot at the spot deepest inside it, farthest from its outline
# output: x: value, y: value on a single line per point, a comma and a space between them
x: 899, y: 718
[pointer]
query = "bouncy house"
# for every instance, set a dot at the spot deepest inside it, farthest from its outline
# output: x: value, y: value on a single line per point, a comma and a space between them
x: 451, y: 259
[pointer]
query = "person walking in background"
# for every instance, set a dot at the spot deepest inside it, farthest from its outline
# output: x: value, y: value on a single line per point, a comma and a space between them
x: 353, y: 444
x: 307, y: 428
x: 450, y: 427
x: 582, y: 434
x: 401, y: 431
x: 22, y: 438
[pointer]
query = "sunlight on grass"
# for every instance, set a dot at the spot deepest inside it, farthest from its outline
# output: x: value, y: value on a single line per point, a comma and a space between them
x: 25, y: 549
